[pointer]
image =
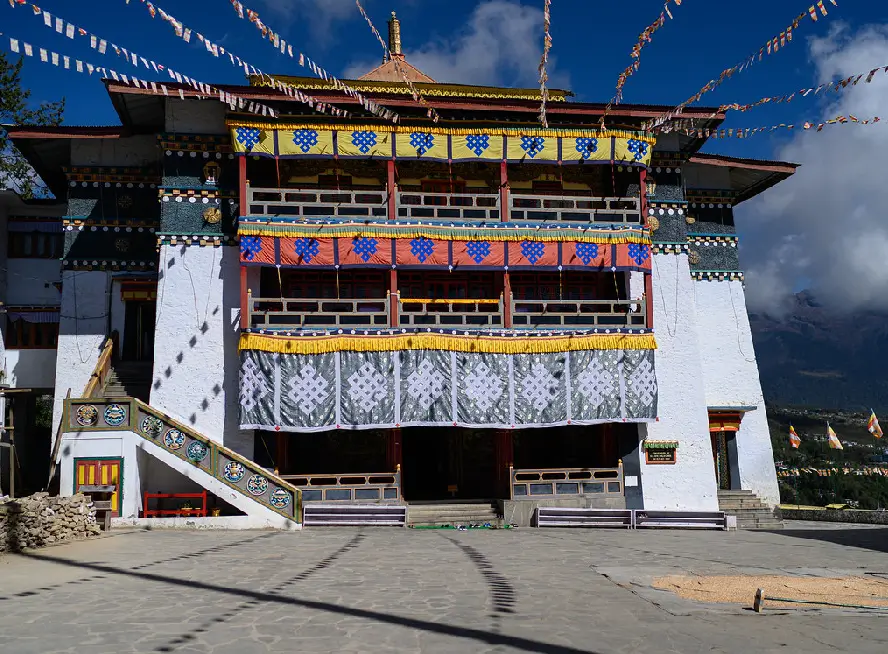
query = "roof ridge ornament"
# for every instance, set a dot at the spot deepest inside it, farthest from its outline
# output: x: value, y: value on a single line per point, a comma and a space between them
x: 394, y: 26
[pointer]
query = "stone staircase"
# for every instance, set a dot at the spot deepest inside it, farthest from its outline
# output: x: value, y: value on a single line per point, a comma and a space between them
x: 453, y: 514
x: 750, y: 512
x: 129, y: 379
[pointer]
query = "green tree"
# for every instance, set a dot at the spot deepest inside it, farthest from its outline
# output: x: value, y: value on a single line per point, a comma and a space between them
x: 16, y: 109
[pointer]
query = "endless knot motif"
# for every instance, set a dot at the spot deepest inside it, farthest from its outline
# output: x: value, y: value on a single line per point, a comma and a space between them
x: 253, y: 385
x: 308, y: 389
x: 250, y: 246
x: 532, y: 250
x: 425, y: 384
x: 367, y: 387
x: 639, y: 253
x: 587, y: 251
x: 422, y: 141
x: 586, y: 146
x: 422, y: 248
x: 364, y: 141
x: 483, y: 387
x: 478, y: 250
x: 247, y: 136
x: 539, y: 387
x: 637, y: 148
x: 643, y: 382
x: 365, y: 247
x: 532, y: 145
x: 307, y: 248
x: 478, y: 143
x: 596, y: 383
x: 306, y: 139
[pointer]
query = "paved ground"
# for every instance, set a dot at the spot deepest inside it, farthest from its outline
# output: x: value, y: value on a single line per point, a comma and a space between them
x: 378, y: 590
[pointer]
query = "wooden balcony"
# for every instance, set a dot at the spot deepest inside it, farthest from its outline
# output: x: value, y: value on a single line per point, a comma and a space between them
x: 326, y: 313
x: 551, y: 208
x: 575, y: 482
x: 414, y: 205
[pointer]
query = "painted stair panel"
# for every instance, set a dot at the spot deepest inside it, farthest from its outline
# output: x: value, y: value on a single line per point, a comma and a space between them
x: 223, y: 472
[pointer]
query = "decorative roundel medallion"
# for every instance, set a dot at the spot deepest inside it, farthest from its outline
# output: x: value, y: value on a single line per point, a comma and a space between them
x: 654, y: 223
x: 234, y: 471
x: 257, y: 485
x: 115, y: 415
x: 280, y: 499
x: 87, y: 415
x: 151, y: 426
x: 174, y: 439
x: 196, y: 451
x: 693, y: 257
x: 212, y: 215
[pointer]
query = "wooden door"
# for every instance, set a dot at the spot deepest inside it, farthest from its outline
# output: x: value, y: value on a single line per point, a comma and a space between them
x: 103, y: 472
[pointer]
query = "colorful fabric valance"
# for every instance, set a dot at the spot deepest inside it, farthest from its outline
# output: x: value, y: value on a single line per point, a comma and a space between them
x: 430, y: 144
x: 40, y: 316
x: 371, y: 390
x: 370, y: 251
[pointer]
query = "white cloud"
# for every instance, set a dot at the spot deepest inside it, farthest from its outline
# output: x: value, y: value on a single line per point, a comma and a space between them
x: 827, y: 224
x: 500, y: 44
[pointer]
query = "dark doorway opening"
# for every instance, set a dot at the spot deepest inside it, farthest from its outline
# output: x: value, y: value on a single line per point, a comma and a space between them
x: 594, y: 446
x: 138, y: 331
x: 443, y: 463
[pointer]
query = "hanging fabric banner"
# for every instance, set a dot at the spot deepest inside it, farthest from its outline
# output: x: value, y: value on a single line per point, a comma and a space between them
x: 431, y: 387
x: 772, y: 46
x: 745, y: 132
x: 544, y: 62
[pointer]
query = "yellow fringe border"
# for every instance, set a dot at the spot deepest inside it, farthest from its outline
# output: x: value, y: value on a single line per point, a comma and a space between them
x: 453, y: 131
x: 531, y: 234
x: 450, y: 343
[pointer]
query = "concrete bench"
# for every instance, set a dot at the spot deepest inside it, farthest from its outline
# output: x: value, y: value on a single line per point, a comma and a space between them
x: 382, y: 515
x: 645, y: 519
x: 552, y: 516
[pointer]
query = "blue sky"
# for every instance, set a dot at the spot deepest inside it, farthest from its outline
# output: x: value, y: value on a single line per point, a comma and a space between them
x: 499, y: 42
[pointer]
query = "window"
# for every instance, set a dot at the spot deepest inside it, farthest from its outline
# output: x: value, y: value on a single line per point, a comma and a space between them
x: 567, y: 286
x: 24, y: 335
x: 35, y: 245
x: 357, y: 284
x: 449, y: 286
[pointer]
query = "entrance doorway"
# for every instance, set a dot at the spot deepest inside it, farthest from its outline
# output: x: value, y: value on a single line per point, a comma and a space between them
x: 721, y: 458
x: 449, y: 463
x: 101, y: 472
x: 138, y: 331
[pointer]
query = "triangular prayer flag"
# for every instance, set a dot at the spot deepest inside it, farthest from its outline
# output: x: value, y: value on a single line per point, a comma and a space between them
x: 794, y: 439
x: 834, y: 441
x: 873, y: 425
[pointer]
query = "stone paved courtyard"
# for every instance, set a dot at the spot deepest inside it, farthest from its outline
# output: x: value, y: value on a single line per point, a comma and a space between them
x: 378, y: 590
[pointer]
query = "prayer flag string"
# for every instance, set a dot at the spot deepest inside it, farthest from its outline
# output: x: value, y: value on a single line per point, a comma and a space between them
x: 772, y: 46
x: 643, y: 39
x: 544, y: 62
x: 184, y: 32
x: 417, y: 96
x: 741, y: 133
x: 279, y: 43
x: 99, y: 44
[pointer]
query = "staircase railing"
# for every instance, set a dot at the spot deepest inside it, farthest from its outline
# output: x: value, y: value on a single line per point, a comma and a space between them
x: 221, y: 463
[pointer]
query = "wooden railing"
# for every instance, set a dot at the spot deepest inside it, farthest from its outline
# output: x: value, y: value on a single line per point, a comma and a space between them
x: 349, y: 487
x: 448, y: 206
x: 582, y: 209
x: 96, y: 383
x: 322, y: 313
x: 450, y: 313
x: 307, y: 313
x: 314, y: 203
x: 567, y: 482
x: 579, y: 313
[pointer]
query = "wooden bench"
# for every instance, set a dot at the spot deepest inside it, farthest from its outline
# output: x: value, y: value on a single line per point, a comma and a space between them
x: 553, y: 516
x: 381, y: 515
x: 177, y: 512
x: 645, y: 519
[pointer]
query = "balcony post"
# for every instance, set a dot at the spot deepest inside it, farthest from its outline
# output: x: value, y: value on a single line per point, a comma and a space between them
x: 507, y: 301
x: 504, y: 192
x: 392, y: 204
x: 648, y: 277
x: 245, y: 303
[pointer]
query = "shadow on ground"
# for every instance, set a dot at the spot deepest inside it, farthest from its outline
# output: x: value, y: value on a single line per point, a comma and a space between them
x: 871, y: 539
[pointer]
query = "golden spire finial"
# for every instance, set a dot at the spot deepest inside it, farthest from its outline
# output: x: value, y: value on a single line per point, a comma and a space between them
x: 395, y: 36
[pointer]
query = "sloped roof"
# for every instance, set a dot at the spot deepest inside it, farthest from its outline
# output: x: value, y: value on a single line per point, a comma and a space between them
x: 388, y: 72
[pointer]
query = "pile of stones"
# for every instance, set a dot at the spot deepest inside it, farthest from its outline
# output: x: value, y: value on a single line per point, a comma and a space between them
x: 42, y: 519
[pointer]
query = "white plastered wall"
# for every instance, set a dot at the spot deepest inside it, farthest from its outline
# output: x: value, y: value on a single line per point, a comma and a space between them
x: 83, y: 326
x: 731, y: 378
x: 689, y: 484
x: 196, y: 360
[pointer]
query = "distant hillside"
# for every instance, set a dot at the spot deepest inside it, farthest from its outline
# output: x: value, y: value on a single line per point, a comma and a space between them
x: 816, y: 358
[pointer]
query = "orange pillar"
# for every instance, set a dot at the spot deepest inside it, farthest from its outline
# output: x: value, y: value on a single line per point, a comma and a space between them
x: 648, y: 278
